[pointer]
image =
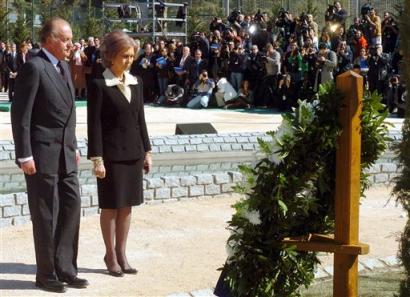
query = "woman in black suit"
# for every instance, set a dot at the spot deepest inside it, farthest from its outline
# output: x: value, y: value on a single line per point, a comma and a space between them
x: 118, y: 145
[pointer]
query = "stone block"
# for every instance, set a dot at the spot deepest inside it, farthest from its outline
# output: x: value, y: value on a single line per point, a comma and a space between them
x: 190, y: 148
x: 5, y: 178
x: 4, y: 155
x: 171, y: 181
x: 236, y: 147
x: 21, y: 220
x: 329, y: 270
x: 179, y: 192
x: 183, y: 141
x: 222, y: 178
x: 144, y: 183
x: 85, y: 201
x: 178, y: 168
x: 229, y: 139
x: 389, y: 167
x: 11, y: 211
x: 162, y: 193
x: 171, y: 141
x: 218, y: 139
x: 158, y: 141
x: 21, y: 198
x: 212, y: 189
x: 226, y: 147
x: 178, y: 148
x: 207, y: 140
x: 25, y: 210
x: 163, y: 169
x: 372, y: 264
x: 83, y: 151
x: 381, y: 178
x: 5, y: 142
x: 236, y: 176
x: 214, y: 147
x: 154, y: 149
x: 320, y: 273
x: 94, y: 200
x: 202, y: 148
x: 155, y: 183
x: 375, y: 168
x: 5, y: 222
x: 6, y: 199
x: 242, y: 139
x: 195, y: 141
x: 148, y: 194
x: 227, y: 188
x: 253, y: 139
x: 204, y: 179
x: 391, y: 261
x: 196, y: 191
x: 88, y: 190
x: 90, y: 211
x: 8, y: 147
x: 188, y: 180
x: 18, y: 178
x: 165, y: 149
x: 248, y: 147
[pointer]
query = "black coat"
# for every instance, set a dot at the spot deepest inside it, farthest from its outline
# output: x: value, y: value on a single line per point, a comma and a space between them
x: 116, y: 128
x: 43, y: 116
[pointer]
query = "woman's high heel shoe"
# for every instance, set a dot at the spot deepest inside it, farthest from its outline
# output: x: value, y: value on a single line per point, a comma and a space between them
x: 115, y: 273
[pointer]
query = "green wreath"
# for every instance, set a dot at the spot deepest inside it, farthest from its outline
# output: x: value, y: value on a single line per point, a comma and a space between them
x: 290, y: 192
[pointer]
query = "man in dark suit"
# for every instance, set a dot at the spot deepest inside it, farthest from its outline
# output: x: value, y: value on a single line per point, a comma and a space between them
x: 11, y: 64
x: 43, y: 122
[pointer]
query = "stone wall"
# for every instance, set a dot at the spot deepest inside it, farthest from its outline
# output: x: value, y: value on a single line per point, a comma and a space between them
x: 167, y: 182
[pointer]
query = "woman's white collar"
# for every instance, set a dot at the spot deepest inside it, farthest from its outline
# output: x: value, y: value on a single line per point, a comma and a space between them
x: 111, y: 80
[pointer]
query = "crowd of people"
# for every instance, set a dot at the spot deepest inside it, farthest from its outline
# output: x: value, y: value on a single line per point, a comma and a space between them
x: 250, y: 60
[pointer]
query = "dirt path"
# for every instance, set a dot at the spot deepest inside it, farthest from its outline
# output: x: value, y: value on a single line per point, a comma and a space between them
x: 177, y: 247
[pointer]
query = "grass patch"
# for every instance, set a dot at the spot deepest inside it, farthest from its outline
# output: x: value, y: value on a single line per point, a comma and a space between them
x: 381, y: 284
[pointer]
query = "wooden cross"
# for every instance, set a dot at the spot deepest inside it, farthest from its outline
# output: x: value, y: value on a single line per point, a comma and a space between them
x: 345, y: 242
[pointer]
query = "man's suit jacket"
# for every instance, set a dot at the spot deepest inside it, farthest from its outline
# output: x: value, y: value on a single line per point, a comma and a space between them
x: 194, y: 69
x: 116, y: 128
x: 11, y: 62
x: 43, y: 116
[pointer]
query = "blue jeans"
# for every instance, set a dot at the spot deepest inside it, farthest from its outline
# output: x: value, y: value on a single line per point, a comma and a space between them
x: 236, y: 80
x: 199, y: 101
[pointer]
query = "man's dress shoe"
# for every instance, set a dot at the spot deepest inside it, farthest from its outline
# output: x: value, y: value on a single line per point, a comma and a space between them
x: 51, y: 286
x: 75, y: 282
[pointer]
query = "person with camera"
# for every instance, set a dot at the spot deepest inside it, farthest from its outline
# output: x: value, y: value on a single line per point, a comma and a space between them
x: 326, y: 62
x: 254, y: 73
x: 390, y: 33
x: 203, y: 88
x: 236, y: 65
x: 144, y: 66
x: 286, y: 25
x: 394, y: 95
x: 164, y: 66
x: 336, y: 14
x: 293, y: 68
x: 375, y: 24
x: 344, y: 58
x: 378, y: 70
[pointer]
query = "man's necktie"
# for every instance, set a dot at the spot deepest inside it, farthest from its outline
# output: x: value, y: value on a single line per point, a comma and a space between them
x: 62, y: 73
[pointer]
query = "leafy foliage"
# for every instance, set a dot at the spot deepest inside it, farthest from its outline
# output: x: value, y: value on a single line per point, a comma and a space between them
x: 290, y: 192
x: 402, y: 187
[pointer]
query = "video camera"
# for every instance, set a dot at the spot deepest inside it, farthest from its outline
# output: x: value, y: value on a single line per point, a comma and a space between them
x: 283, y: 18
x: 304, y: 24
x: 330, y: 14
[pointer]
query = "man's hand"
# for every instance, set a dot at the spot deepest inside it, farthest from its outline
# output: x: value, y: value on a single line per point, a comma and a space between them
x: 28, y: 167
x: 77, y: 157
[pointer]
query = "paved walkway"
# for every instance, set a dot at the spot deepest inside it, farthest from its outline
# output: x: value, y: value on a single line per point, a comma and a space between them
x: 177, y: 247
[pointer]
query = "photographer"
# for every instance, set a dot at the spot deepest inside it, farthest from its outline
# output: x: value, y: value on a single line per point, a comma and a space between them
x: 378, y: 70
x: 236, y: 65
x: 203, y: 88
x: 287, y: 26
x: 394, y: 95
x: 336, y: 14
x: 344, y: 58
x: 254, y: 72
x: 293, y: 68
x: 390, y: 33
x: 326, y: 62
x: 375, y: 27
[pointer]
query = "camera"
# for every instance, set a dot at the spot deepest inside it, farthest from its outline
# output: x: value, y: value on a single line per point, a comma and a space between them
x: 233, y: 16
x: 304, y: 24
x: 282, y: 18
x: 365, y: 10
x: 330, y: 13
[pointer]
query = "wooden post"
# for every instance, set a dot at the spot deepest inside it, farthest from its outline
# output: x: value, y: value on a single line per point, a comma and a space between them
x: 345, y: 276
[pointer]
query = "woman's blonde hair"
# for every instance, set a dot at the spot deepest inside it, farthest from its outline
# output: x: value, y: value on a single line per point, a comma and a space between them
x: 114, y: 43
